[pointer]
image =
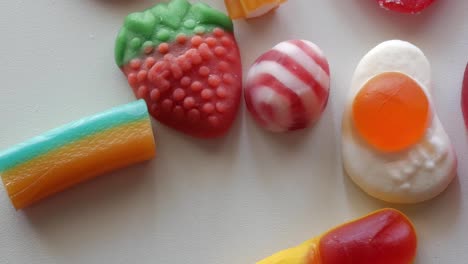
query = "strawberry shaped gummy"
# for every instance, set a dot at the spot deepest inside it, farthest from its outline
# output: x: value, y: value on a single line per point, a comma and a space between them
x: 405, y: 6
x: 183, y: 60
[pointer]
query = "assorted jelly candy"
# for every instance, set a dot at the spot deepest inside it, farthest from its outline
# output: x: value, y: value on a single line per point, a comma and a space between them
x: 183, y: 60
x: 287, y: 88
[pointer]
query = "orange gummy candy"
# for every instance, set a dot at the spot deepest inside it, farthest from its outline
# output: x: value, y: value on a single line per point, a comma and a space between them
x: 391, y: 111
x: 250, y: 8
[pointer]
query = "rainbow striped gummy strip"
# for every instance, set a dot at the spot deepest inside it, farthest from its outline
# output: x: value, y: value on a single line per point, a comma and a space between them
x: 76, y: 152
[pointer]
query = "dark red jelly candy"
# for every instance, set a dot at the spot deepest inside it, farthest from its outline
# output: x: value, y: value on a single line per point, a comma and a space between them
x: 464, y: 97
x: 405, y: 6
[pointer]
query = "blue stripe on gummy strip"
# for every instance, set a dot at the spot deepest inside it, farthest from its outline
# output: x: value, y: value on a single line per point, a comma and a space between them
x: 68, y: 133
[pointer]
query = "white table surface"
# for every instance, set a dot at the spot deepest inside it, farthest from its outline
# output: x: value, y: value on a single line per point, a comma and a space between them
x: 227, y: 201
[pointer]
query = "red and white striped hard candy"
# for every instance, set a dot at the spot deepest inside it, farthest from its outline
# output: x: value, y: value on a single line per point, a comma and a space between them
x: 287, y: 88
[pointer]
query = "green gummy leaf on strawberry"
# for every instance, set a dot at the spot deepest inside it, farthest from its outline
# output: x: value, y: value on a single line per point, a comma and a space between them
x: 171, y: 14
x: 208, y: 15
x: 142, y: 23
x: 164, y: 22
x: 183, y: 60
x: 120, y: 45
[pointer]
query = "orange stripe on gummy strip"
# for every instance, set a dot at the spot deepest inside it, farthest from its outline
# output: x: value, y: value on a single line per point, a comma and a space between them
x: 391, y: 112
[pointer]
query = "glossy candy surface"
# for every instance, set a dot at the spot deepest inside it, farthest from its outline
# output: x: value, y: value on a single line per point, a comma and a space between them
x: 464, y: 97
x: 383, y: 237
x: 393, y: 144
x: 287, y: 88
x: 183, y: 60
x: 388, y: 104
x: 76, y: 152
x: 405, y: 6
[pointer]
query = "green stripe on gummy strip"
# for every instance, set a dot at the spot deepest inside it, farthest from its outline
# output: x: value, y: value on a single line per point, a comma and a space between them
x: 63, y: 135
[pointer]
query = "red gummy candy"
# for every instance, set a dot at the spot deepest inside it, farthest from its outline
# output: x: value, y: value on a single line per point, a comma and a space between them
x: 192, y: 85
x: 405, y: 6
x: 383, y: 237
x: 464, y: 97
x: 183, y: 60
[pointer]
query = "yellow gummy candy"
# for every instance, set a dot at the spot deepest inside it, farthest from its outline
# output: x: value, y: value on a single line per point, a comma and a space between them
x: 250, y: 8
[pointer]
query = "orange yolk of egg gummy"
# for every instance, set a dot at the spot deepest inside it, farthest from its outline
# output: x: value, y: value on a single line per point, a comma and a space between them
x: 391, y: 112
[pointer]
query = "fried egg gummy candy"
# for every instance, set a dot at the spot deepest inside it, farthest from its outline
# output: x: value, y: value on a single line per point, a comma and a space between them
x: 250, y: 8
x: 386, y: 236
x: 183, y: 60
x: 77, y: 152
x: 393, y: 145
x: 287, y: 88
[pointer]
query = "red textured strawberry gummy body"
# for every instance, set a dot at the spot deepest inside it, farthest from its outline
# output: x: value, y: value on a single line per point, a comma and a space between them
x: 189, y: 73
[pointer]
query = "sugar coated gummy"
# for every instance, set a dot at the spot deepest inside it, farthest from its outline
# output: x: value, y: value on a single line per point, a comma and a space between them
x: 76, y: 152
x: 287, y: 88
x: 386, y: 236
x: 183, y: 60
